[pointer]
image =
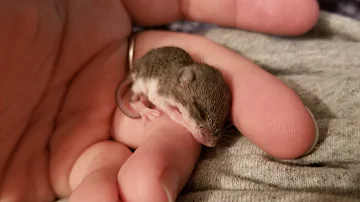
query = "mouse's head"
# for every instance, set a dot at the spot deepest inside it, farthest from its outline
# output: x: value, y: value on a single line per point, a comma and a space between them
x: 205, y: 101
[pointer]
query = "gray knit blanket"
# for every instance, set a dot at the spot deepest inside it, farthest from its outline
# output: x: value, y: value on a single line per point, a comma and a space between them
x: 323, y: 67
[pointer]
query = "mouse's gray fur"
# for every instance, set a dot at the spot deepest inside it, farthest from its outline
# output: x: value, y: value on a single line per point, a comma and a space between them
x: 199, y: 87
x: 161, y: 63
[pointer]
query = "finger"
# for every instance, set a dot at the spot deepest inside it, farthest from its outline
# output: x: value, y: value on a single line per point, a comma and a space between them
x: 96, y: 169
x: 162, y: 164
x: 264, y: 109
x: 276, y: 16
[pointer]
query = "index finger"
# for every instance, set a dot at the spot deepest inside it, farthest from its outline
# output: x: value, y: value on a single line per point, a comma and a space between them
x: 275, y: 16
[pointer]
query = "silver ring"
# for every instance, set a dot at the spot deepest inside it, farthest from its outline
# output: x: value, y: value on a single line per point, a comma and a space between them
x: 131, y: 51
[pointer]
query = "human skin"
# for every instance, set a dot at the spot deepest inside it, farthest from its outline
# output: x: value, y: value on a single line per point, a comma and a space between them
x: 60, y: 63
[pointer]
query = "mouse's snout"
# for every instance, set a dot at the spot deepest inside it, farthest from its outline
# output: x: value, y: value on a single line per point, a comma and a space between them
x: 205, y: 137
x: 210, y: 137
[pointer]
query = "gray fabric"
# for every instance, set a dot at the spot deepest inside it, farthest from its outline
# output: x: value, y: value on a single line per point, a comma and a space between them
x: 323, y: 67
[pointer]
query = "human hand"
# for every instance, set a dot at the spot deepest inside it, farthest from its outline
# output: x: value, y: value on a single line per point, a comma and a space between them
x: 61, y: 63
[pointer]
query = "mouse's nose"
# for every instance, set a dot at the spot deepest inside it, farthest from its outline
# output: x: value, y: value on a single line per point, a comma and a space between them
x: 212, y: 140
x: 206, y: 132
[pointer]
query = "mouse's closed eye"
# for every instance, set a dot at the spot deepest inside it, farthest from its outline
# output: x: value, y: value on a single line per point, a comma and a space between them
x: 201, y: 112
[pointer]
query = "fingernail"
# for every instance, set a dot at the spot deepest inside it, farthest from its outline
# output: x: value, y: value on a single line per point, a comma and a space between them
x: 170, y: 181
x: 316, y: 132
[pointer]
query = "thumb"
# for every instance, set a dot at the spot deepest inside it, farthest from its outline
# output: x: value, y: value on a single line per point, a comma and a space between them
x: 161, y: 165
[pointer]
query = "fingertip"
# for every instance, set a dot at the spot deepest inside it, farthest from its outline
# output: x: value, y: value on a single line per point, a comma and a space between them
x: 285, y: 130
x: 282, y: 17
x: 304, y: 18
x: 297, y: 134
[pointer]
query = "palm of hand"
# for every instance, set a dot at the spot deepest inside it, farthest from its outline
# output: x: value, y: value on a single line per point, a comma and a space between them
x: 59, y: 88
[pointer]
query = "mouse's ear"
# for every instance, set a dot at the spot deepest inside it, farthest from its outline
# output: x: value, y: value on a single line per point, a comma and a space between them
x: 186, y: 75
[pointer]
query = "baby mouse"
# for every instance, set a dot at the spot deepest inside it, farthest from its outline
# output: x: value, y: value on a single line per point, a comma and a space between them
x: 192, y: 94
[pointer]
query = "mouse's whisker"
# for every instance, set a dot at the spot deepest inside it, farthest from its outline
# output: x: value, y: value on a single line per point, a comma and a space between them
x: 232, y: 131
x: 231, y: 134
x: 229, y: 126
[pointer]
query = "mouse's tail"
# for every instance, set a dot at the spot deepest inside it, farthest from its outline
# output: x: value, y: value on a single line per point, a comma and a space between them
x: 123, y: 95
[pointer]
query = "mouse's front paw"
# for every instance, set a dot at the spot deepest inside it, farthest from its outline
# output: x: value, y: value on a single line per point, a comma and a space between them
x: 145, y: 112
x: 149, y: 114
